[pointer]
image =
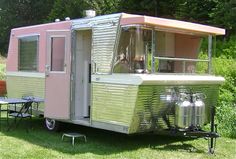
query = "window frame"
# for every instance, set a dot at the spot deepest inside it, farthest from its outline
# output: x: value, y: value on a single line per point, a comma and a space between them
x: 131, y: 62
x: 57, y: 36
x: 37, y: 52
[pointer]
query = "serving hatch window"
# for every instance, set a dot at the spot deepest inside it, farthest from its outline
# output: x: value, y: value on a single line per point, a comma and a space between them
x: 28, y: 53
x: 132, y: 56
x: 144, y: 49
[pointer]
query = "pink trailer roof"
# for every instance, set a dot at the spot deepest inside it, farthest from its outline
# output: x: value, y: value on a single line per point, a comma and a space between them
x: 171, y: 25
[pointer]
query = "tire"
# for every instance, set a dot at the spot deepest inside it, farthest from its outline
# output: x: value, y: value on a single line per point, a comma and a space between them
x: 51, y: 124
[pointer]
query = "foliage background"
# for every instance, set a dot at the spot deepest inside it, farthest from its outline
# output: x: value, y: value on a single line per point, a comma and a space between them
x: 16, y: 13
x: 220, y: 13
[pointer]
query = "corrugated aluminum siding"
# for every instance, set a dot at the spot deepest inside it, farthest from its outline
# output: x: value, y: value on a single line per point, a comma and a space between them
x: 18, y: 86
x: 149, y: 108
x: 105, y: 30
x: 113, y: 103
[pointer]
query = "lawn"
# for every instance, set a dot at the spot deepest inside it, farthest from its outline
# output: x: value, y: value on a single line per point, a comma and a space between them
x: 39, y: 143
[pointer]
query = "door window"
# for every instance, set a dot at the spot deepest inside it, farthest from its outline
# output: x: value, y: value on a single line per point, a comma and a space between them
x: 57, y: 53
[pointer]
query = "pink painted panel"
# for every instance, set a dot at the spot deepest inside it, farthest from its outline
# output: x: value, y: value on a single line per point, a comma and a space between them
x: 12, y: 59
x: 57, y: 91
x: 186, y: 46
x: 172, y: 25
x: 57, y: 96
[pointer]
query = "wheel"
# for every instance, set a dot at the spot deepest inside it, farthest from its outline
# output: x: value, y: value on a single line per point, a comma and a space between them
x: 51, y: 124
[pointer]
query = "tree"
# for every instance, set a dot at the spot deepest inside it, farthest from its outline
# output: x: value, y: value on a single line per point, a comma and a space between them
x: 75, y: 8
x: 17, y: 13
x: 221, y: 13
x: 195, y: 10
x: 224, y: 15
x: 161, y: 8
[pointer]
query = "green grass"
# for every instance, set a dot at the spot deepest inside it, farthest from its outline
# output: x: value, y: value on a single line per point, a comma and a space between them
x: 39, y: 143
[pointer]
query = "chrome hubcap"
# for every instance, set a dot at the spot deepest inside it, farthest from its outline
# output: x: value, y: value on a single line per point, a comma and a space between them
x: 50, y: 123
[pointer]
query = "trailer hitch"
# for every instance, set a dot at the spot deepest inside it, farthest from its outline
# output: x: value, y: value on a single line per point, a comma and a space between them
x: 203, y: 134
x: 210, y: 136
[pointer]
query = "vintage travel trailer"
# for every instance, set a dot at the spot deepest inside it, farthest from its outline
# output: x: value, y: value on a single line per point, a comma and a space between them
x: 120, y: 72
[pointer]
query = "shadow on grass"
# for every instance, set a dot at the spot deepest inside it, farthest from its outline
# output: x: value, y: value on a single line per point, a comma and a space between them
x: 100, y: 142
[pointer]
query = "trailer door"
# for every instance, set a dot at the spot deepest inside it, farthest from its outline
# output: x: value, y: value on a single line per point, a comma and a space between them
x: 57, y: 91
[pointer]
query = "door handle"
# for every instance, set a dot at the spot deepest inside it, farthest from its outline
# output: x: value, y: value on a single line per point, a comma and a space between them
x: 47, y: 69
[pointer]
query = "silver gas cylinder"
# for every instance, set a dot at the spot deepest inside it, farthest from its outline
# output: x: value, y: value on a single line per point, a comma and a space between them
x: 199, y: 109
x: 183, y: 111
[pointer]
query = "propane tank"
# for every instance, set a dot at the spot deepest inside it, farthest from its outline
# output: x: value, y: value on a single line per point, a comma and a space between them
x: 199, y: 109
x: 183, y: 111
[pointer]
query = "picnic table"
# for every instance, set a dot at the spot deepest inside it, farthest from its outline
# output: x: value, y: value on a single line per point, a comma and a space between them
x: 15, y: 102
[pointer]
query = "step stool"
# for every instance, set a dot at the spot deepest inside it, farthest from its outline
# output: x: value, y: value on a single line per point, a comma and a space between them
x: 73, y: 136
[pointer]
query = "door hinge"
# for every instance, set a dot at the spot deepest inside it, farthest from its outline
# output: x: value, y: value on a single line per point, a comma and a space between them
x: 72, y: 77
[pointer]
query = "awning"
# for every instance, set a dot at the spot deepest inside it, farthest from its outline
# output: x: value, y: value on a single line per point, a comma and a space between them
x: 170, y: 25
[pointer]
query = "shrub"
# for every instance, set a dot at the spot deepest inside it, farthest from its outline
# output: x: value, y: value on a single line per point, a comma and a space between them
x: 226, y: 48
x: 226, y: 107
x: 2, y: 71
x: 2, y: 68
